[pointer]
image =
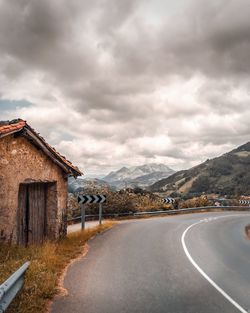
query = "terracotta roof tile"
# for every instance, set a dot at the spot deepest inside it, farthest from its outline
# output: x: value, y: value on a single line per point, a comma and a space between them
x: 10, y: 127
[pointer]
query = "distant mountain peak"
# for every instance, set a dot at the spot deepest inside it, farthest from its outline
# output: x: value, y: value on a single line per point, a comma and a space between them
x: 123, y: 169
x: 138, y: 176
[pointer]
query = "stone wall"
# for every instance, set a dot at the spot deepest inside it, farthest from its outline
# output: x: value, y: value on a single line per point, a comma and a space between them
x: 20, y: 161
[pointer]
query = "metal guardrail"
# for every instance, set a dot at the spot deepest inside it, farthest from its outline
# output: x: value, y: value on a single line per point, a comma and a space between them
x: 10, y: 288
x: 194, y: 209
x: 97, y: 215
x: 167, y: 212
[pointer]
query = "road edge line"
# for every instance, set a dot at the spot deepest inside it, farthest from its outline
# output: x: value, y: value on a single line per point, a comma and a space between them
x: 200, y: 270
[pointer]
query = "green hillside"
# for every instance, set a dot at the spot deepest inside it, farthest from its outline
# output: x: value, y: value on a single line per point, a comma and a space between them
x: 228, y: 174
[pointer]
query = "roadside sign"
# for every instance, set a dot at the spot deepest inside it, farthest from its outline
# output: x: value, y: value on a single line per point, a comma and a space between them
x: 85, y: 199
x: 82, y: 199
x: 244, y: 201
x: 169, y: 200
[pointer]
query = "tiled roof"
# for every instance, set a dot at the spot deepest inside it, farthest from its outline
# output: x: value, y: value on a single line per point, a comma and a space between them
x: 14, y: 126
x: 10, y: 127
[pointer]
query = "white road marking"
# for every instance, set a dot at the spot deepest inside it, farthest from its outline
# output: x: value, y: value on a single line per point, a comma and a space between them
x: 218, y: 288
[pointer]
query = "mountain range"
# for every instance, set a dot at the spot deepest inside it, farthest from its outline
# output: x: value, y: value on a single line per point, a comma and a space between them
x: 228, y: 174
x: 127, y: 177
x: 138, y: 176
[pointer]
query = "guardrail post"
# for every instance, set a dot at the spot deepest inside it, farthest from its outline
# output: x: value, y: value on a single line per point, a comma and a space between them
x: 100, y: 213
x: 82, y: 215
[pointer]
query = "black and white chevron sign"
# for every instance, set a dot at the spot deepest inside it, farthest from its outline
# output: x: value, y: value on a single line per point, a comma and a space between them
x: 244, y: 201
x: 91, y: 199
x: 169, y: 200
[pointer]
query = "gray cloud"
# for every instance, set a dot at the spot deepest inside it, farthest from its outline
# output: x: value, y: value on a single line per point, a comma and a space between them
x: 147, y: 79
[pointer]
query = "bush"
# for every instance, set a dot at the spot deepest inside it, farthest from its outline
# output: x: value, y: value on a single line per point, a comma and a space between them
x: 122, y: 201
x: 196, y: 202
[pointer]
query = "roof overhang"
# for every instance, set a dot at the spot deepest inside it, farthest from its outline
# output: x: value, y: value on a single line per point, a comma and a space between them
x: 21, y: 128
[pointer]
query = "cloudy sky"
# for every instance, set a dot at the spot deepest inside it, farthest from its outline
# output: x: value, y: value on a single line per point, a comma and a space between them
x: 126, y: 82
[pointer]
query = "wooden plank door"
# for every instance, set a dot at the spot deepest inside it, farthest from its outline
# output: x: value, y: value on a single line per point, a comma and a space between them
x: 22, y: 215
x: 37, y: 213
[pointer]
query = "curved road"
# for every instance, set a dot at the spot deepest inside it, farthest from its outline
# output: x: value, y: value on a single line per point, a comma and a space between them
x: 197, y: 263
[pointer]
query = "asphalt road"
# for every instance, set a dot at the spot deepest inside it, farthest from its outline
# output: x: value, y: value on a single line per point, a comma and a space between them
x: 197, y: 263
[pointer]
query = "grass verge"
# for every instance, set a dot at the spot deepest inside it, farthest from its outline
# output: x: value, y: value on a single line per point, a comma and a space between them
x: 47, y: 263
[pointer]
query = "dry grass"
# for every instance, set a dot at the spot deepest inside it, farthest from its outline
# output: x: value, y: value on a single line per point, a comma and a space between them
x: 47, y: 263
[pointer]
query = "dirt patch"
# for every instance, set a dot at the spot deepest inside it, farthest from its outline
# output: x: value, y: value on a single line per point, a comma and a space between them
x: 188, y: 184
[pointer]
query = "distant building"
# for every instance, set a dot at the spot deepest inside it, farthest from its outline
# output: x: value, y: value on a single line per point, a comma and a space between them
x: 33, y: 186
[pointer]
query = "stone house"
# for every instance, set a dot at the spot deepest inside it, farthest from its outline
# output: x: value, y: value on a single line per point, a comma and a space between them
x: 33, y: 186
